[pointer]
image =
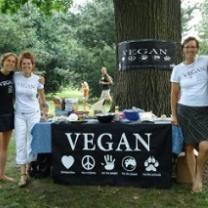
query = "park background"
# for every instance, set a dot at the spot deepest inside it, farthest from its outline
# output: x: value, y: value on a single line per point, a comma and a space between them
x: 71, y: 44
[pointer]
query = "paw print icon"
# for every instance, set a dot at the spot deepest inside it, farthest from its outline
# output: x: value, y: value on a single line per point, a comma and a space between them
x: 151, y: 164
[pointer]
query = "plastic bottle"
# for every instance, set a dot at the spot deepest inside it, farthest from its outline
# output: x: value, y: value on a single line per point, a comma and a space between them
x: 117, y: 114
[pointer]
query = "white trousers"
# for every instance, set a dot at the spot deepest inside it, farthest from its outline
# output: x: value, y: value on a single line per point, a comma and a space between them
x: 105, y: 95
x: 24, y: 123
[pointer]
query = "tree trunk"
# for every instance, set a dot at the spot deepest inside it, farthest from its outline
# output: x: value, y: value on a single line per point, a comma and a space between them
x: 148, y: 89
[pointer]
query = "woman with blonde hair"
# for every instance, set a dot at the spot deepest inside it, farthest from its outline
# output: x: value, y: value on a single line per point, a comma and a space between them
x: 8, y: 65
x: 85, y: 93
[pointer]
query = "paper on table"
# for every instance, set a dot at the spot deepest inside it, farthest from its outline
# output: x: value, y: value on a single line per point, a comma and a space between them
x: 147, y: 116
x: 162, y: 120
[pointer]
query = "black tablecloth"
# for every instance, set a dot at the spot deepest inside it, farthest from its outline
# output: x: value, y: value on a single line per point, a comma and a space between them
x: 112, y: 154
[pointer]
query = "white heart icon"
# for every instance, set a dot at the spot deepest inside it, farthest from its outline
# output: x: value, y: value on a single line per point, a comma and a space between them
x: 67, y: 161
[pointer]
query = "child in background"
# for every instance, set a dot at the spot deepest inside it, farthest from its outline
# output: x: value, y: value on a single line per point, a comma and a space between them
x: 59, y: 104
x: 45, y: 113
x: 85, y: 91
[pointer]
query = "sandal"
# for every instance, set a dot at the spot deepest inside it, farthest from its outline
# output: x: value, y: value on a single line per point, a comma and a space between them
x: 23, y: 180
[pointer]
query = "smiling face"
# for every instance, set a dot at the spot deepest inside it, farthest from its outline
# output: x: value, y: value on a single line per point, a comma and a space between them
x: 26, y: 66
x: 9, y: 63
x: 190, y: 50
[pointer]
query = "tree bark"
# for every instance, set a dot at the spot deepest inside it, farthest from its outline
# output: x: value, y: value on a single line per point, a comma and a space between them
x: 148, y: 89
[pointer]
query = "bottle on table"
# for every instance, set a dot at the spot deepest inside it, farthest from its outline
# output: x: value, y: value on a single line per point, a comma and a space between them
x: 117, y: 114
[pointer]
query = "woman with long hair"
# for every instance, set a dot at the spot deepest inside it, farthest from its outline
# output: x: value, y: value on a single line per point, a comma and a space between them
x: 8, y: 65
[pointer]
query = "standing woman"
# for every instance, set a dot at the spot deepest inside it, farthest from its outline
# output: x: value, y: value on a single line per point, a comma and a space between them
x: 27, y: 111
x: 189, y: 106
x: 8, y: 64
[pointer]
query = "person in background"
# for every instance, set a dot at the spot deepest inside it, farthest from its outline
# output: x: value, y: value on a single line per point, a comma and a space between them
x: 105, y: 82
x: 45, y: 113
x: 59, y: 104
x: 8, y: 65
x: 189, y: 106
x: 85, y: 92
x: 29, y: 92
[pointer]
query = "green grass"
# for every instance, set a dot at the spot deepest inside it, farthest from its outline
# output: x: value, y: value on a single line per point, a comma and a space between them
x: 67, y: 93
x: 43, y: 193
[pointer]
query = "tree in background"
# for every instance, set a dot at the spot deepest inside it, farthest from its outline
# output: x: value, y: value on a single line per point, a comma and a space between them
x: 204, y: 28
x: 49, y: 38
x: 187, y: 16
x: 69, y: 47
x: 146, y: 88
x: 46, y: 6
x: 95, y: 33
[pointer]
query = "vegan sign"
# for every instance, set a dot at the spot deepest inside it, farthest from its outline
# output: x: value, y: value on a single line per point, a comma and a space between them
x: 148, y: 53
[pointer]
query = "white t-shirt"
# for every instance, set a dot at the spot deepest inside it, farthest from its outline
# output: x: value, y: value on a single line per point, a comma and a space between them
x: 26, y: 90
x: 193, y: 82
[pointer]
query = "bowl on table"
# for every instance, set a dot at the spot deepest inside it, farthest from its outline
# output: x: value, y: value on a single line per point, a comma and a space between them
x: 105, y: 117
x: 131, y: 115
x: 82, y: 114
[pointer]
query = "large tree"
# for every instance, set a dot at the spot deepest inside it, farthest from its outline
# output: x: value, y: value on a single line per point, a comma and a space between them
x: 146, y: 19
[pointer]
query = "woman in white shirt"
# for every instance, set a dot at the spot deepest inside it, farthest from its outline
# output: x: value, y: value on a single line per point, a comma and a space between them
x: 189, y: 106
x: 27, y: 111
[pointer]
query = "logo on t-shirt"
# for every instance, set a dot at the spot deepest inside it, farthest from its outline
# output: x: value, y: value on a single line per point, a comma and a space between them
x: 10, y: 89
x: 26, y: 85
x: 194, y: 71
x: 5, y: 83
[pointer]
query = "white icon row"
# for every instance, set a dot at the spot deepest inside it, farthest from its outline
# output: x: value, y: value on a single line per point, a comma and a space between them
x: 146, y: 57
x: 129, y: 163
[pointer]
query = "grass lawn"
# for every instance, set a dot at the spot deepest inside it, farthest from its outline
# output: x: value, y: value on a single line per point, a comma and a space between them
x: 44, y: 193
x: 67, y: 93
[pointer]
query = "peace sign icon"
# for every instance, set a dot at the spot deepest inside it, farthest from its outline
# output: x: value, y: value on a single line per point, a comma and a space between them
x: 88, y: 162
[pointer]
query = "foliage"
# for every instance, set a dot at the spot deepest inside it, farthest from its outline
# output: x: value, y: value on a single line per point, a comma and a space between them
x: 204, y: 28
x: 95, y: 33
x: 46, y: 6
x: 30, y: 30
x: 96, y: 24
x: 187, y: 14
x: 69, y: 47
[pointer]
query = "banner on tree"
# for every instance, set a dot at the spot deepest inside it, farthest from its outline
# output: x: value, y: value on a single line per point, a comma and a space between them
x: 147, y: 53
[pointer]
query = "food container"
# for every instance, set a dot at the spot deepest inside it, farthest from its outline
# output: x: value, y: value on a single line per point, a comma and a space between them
x: 131, y: 115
